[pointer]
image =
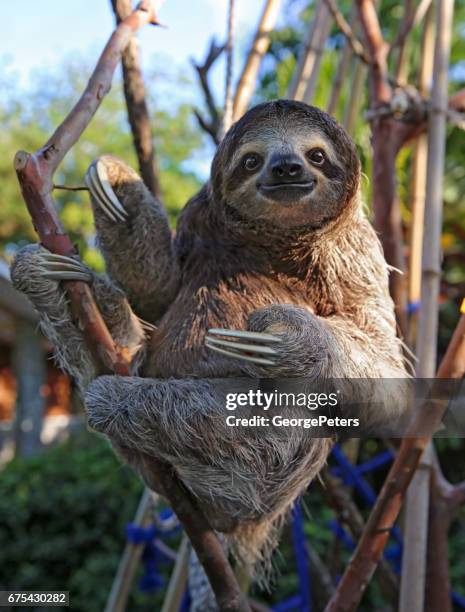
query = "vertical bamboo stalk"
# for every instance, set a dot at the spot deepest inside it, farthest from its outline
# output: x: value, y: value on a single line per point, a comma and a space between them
x: 260, y: 44
x: 418, y: 187
x: 121, y: 587
x: 354, y: 102
x: 341, y: 70
x: 228, y: 96
x: 178, y: 581
x: 321, y: 34
x: 414, y: 559
x: 307, y: 59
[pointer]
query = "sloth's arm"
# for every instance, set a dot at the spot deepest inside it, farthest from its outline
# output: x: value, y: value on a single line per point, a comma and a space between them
x: 134, y: 236
x: 285, y: 341
x: 288, y: 341
x: 37, y: 273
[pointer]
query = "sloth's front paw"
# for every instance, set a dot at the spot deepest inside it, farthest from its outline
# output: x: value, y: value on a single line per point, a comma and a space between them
x: 101, y: 190
x: 282, y: 340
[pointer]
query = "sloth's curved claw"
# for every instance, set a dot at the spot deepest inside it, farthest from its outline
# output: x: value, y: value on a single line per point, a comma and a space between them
x: 147, y: 328
x: 62, y: 267
x: 96, y: 179
x: 234, y: 347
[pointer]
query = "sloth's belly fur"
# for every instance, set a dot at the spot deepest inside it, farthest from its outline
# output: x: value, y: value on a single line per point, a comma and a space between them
x: 177, y: 348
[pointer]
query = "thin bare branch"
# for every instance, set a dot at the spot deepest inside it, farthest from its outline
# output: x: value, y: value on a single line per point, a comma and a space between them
x: 71, y: 188
x: 228, y: 96
x: 412, y: 17
x: 212, y: 125
x: 357, y: 47
x: 342, y: 66
x: 310, y: 55
x: 340, y: 500
x: 260, y: 44
x: 138, y: 114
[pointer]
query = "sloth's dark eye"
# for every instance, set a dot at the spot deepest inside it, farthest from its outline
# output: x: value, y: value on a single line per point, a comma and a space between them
x: 251, y: 162
x: 317, y: 157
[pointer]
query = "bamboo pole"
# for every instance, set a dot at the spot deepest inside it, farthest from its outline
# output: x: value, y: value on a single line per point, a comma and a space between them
x: 308, y: 57
x: 178, y: 581
x: 341, y: 70
x: 321, y: 34
x: 418, y: 188
x: 121, y: 587
x: 260, y: 44
x: 354, y: 102
x: 412, y: 596
x: 228, y: 95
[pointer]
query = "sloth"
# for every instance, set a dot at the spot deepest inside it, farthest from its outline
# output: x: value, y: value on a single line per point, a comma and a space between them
x: 273, y: 272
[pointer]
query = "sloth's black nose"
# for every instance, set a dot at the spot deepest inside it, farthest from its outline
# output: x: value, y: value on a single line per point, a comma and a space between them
x: 286, y: 168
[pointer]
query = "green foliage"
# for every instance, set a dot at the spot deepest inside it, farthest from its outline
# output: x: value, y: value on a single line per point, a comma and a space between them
x: 62, y: 520
x: 29, y: 117
x: 62, y: 524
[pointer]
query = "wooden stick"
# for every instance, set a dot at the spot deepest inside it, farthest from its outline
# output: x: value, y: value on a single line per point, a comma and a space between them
x: 211, y: 126
x: 178, y: 581
x: 308, y: 56
x: 228, y: 94
x: 347, y: 29
x: 341, y: 71
x: 416, y: 524
x: 321, y: 34
x: 260, y: 44
x: 444, y: 502
x: 35, y: 174
x: 418, y: 186
x: 121, y: 587
x: 136, y: 104
x: 354, y: 102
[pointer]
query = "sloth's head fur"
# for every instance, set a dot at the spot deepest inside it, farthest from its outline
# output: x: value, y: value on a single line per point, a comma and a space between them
x: 286, y: 163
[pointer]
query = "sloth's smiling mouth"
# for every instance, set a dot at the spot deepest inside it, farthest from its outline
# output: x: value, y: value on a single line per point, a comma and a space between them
x: 286, y: 190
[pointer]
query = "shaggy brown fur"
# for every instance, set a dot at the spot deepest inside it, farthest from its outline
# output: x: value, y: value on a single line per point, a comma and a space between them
x: 307, y: 268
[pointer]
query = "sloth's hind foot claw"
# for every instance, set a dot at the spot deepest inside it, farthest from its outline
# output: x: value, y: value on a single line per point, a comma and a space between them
x: 62, y: 267
x: 102, y: 192
x: 241, y: 345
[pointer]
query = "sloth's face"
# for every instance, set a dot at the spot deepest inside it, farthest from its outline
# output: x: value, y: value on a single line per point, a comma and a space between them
x: 297, y: 168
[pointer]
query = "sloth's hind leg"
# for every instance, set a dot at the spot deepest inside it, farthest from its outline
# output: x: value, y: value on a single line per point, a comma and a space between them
x: 37, y: 273
x: 134, y: 236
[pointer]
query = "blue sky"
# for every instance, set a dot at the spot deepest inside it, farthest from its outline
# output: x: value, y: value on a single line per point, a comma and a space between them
x: 38, y: 34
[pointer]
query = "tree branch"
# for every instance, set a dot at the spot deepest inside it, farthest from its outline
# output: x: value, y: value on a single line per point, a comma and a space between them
x: 35, y: 174
x: 378, y: 50
x: 412, y: 17
x: 213, y: 125
x: 348, y: 514
x: 356, y: 46
x: 138, y: 114
x: 260, y: 44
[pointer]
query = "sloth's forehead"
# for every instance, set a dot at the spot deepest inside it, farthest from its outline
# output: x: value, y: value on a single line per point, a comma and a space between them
x: 287, y: 137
